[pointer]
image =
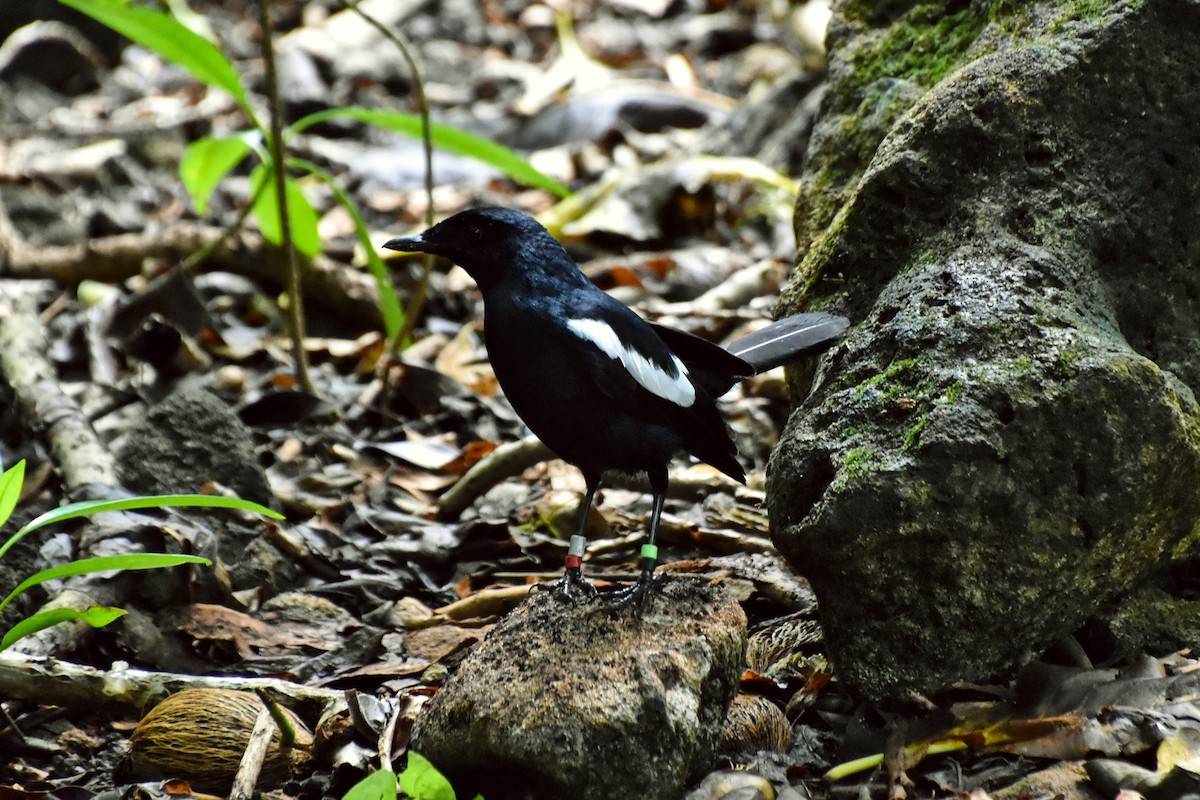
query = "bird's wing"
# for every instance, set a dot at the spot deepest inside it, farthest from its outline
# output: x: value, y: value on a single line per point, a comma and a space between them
x: 643, y: 377
x: 713, y: 368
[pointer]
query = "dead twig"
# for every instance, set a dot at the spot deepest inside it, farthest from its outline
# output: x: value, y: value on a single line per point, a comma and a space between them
x: 78, y: 451
x: 346, y: 291
x: 505, y: 461
x: 48, y: 681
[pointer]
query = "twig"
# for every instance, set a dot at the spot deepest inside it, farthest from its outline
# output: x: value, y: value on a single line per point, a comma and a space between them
x: 48, y: 681
x: 503, y: 462
x: 295, y: 295
x: 77, y: 450
x: 287, y: 731
x: 344, y: 290
x: 198, y: 257
x: 254, y: 756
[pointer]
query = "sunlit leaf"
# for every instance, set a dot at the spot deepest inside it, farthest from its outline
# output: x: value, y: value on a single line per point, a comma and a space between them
x: 206, y: 161
x: 87, y: 566
x: 421, y: 780
x: 379, y: 785
x: 11, y: 482
x: 302, y: 216
x: 389, y: 303
x: 167, y: 36
x: 444, y: 137
x: 96, y: 616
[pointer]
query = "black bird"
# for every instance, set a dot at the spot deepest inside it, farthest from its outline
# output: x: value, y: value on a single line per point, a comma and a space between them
x: 600, y: 386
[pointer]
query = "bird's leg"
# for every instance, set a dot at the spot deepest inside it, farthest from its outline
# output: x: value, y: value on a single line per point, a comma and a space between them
x: 637, y: 594
x: 573, y: 585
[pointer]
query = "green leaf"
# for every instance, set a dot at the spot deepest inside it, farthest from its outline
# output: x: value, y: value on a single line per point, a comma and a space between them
x: 206, y: 161
x: 379, y: 785
x: 167, y: 36
x: 86, y: 566
x: 96, y: 616
x: 303, y: 216
x: 389, y: 303
x: 10, y: 489
x: 445, y: 137
x: 88, y: 507
x: 421, y: 780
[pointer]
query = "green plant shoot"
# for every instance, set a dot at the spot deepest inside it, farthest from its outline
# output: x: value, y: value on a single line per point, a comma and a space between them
x: 11, y: 481
x: 208, y: 160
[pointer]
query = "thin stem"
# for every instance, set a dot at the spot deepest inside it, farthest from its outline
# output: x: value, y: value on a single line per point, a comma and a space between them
x: 204, y: 253
x: 418, y: 298
x: 295, y: 294
x: 287, y: 731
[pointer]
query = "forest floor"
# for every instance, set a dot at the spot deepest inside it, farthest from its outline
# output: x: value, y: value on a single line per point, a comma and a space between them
x: 678, y: 127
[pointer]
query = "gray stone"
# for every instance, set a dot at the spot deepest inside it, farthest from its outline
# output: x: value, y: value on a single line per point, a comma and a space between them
x: 1005, y: 202
x: 582, y: 701
x: 187, y: 439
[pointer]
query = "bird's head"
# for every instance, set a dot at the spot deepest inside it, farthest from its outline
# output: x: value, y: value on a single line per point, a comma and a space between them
x: 488, y: 243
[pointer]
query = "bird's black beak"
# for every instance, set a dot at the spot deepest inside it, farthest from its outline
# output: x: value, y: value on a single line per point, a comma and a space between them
x: 409, y: 244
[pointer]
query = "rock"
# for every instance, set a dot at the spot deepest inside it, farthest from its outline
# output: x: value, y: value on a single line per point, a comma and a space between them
x: 733, y: 785
x: 565, y: 700
x: 187, y: 439
x: 1150, y: 619
x: 1008, y: 442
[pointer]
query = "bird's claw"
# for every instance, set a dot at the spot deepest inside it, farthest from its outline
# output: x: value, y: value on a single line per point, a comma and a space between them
x: 636, y: 595
x: 572, y: 587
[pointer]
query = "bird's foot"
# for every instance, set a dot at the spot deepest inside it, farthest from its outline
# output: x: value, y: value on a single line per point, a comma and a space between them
x: 637, y: 595
x: 572, y: 587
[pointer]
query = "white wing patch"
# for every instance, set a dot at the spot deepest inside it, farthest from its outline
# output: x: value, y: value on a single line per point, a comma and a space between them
x: 677, y: 388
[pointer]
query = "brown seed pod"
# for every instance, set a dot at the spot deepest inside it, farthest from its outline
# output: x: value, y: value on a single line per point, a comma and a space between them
x: 754, y: 723
x: 199, y: 735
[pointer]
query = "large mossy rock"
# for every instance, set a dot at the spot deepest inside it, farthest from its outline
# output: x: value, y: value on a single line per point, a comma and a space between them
x: 1006, y: 201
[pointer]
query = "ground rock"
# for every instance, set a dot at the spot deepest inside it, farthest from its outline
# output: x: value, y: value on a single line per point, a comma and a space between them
x: 1004, y: 200
x: 188, y: 438
x: 565, y: 700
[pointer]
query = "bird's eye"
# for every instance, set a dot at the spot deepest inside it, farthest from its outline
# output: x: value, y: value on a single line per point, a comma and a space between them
x: 474, y: 233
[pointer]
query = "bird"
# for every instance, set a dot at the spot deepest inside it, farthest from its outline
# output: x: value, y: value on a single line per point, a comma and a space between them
x: 604, y: 389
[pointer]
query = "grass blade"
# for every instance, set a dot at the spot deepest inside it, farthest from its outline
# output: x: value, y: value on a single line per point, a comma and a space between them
x: 86, y: 566
x: 96, y: 616
x: 87, y: 507
x: 445, y: 137
x: 167, y: 36
x: 389, y: 303
x: 10, y: 491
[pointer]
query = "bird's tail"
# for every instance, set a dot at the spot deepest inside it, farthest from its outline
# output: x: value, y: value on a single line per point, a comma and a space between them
x: 788, y: 338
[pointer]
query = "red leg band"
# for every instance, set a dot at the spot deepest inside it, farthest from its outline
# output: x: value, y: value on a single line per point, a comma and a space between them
x: 573, y: 562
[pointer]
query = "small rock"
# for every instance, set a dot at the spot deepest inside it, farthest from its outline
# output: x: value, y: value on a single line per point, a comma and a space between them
x: 187, y: 439
x: 583, y: 701
x: 733, y: 785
